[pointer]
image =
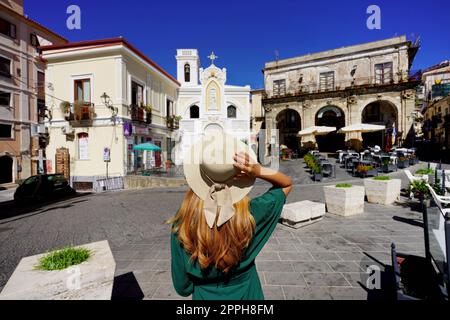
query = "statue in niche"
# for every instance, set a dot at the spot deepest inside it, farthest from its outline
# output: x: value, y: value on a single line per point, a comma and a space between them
x: 213, y: 99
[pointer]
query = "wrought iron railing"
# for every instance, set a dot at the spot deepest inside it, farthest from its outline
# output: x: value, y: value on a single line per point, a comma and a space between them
x: 297, y: 89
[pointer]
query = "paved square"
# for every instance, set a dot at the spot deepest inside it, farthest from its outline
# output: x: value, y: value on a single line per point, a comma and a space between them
x: 325, y: 260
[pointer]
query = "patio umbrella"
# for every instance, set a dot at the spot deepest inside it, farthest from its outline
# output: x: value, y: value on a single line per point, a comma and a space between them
x: 283, y: 147
x: 146, y: 147
x: 361, y: 127
x: 316, y: 131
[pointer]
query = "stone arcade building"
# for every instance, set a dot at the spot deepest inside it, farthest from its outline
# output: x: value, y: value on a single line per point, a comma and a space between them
x: 366, y: 83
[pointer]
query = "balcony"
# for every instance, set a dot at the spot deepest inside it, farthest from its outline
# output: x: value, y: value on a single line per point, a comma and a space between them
x: 173, y: 122
x: 82, y: 114
x: 141, y: 114
x: 312, y: 88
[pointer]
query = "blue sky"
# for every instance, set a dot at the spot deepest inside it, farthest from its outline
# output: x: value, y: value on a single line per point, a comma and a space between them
x: 246, y: 34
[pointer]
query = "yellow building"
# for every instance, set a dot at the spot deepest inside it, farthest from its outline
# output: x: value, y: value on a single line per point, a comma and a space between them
x: 436, y: 125
x: 106, y: 94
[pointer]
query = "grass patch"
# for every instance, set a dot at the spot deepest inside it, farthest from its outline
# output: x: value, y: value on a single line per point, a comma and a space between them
x: 382, y: 178
x: 62, y: 259
x: 344, y: 185
x: 424, y: 171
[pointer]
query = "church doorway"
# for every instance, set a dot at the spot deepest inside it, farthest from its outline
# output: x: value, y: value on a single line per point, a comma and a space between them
x: 380, y: 113
x: 330, y: 116
x: 6, y: 169
x: 288, y: 125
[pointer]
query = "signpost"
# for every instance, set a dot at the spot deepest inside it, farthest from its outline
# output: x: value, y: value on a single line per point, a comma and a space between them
x: 106, y: 159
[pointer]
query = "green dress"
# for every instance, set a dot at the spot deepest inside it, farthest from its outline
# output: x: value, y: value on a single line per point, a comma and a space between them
x: 243, y: 282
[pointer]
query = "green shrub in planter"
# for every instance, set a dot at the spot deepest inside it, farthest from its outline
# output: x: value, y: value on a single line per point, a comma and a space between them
x: 382, y: 178
x: 344, y: 185
x: 62, y: 259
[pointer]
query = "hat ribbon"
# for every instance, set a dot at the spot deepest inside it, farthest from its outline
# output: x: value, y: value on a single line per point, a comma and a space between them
x: 218, y: 204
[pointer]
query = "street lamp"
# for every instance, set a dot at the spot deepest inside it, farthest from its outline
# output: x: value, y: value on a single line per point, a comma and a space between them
x: 108, y: 103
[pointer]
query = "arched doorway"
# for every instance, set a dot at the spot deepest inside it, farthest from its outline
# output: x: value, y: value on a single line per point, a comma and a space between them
x: 330, y: 116
x: 6, y: 169
x: 288, y: 125
x: 381, y: 113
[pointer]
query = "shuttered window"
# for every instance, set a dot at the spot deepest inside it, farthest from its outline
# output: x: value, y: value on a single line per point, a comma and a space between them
x: 383, y: 73
x: 326, y: 82
x: 279, y: 87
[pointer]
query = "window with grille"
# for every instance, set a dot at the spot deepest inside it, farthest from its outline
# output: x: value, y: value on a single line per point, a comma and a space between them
x: 326, y: 82
x: 383, y: 73
x: 279, y: 87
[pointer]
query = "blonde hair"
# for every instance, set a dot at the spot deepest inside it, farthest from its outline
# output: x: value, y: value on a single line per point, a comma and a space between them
x: 221, y: 247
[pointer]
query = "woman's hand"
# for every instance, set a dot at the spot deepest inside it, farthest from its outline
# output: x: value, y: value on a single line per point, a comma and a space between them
x: 247, y: 166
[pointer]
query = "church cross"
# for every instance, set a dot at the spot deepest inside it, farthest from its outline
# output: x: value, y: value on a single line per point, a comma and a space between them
x: 212, y: 57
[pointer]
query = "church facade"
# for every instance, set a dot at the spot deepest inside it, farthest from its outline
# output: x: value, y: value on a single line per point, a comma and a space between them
x: 207, y: 103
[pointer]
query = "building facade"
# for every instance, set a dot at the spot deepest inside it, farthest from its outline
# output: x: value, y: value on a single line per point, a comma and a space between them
x: 106, y: 97
x: 206, y: 102
x: 22, y: 92
x: 366, y: 83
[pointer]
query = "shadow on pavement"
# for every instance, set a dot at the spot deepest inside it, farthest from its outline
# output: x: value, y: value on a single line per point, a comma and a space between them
x: 126, y: 287
x: 413, y: 222
x: 11, y: 209
x: 383, y: 284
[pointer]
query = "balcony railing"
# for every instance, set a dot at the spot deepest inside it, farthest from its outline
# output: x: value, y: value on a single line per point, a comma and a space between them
x: 140, y: 114
x: 298, y: 89
x: 83, y: 111
x: 173, y: 122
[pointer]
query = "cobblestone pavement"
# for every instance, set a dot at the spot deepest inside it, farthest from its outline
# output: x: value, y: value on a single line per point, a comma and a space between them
x: 326, y: 260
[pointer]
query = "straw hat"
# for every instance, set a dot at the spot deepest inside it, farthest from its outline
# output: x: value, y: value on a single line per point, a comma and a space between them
x: 209, y: 171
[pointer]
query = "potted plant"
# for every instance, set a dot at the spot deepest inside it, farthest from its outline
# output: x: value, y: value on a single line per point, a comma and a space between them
x: 382, y: 189
x: 388, y: 166
x: 84, y: 272
x: 344, y: 199
x: 413, y: 159
x: 364, y: 170
x: 403, y: 162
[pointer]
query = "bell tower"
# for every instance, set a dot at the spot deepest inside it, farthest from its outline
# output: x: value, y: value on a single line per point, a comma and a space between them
x: 188, y: 64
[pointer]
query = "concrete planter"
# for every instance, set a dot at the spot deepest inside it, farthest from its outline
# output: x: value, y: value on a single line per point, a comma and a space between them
x: 382, y: 191
x: 90, y: 280
x: 344, y: 201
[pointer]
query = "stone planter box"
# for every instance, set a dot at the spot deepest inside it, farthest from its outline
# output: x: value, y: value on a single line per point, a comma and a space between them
x: 90, y: 280
x: 382, y: 191
x: 344, y: 201
x: 302, y: 213
x: 386, y: 168
x: 370, y: 173
x: 403, y: 164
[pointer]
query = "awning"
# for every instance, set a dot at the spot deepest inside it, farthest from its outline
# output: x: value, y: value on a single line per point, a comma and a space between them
x: 361, y: 127
x: 316, y: 130
x: 146, y: 147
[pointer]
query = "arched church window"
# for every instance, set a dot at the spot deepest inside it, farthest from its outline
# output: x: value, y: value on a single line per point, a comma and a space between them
x: 194, y: 112
x: 231, y: 112
x: 187, y: 73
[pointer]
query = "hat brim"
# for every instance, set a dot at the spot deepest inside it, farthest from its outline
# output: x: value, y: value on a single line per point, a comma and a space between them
x: 200, y: 185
